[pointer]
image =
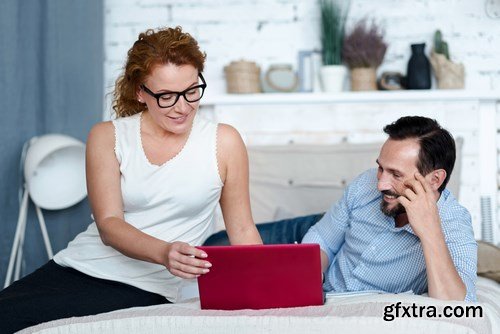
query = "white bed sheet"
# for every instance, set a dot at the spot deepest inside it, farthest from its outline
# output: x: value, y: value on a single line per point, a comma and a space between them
x: 340, y: 314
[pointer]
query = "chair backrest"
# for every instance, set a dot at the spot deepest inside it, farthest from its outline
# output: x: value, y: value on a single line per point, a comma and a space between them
x: 294, y: 180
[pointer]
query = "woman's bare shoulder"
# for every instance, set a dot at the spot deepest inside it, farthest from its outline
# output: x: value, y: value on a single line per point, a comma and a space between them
x: 102, y: 133
x: 228, y: 136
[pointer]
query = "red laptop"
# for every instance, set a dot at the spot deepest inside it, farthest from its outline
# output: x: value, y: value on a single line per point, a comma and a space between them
x: 261, y: 276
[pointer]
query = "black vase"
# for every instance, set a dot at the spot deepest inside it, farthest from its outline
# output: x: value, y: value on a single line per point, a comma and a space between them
x: 418, y: 75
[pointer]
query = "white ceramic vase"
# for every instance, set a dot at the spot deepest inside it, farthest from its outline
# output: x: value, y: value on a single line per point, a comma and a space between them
x: 333, y: 78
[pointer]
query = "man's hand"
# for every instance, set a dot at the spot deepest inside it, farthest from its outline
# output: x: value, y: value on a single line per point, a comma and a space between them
x: 419, y: 200
x: 183, y: 260
x: 420, y: 203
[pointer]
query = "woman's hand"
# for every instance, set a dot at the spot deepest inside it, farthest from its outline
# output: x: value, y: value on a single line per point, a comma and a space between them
x: 184, y: 260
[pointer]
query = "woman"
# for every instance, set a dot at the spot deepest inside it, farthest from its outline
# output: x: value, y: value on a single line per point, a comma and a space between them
x: 154, y: 176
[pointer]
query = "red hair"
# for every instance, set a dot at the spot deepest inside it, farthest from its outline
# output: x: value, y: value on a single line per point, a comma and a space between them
x: 152, y: 48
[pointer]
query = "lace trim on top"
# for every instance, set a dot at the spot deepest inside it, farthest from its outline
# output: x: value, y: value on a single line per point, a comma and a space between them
x: 116, y: 148
x: 216, y: 157
x: 141, y: 147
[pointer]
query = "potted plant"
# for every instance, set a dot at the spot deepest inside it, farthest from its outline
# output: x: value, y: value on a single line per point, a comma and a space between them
x: 449, y: 75
x: 363, y: 51
x: 333, y: 16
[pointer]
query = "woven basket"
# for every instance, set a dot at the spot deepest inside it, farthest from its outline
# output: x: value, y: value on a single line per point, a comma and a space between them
x: 363, y: 79
x: 242, y: 77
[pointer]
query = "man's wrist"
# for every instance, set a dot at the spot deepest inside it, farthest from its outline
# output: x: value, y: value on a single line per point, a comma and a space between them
x: 433, y: 236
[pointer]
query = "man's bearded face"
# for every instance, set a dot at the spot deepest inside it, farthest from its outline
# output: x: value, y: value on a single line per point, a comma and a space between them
x: 387, y: 209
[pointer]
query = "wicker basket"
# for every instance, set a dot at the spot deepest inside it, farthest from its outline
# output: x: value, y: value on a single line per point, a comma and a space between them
x: 242, y: 77
x: 363, y: 79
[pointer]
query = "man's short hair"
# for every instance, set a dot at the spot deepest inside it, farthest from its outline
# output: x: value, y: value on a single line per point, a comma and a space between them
x: 437, y: 146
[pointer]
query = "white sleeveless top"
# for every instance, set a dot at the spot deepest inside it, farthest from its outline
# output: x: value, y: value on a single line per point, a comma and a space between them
x: 173, y: 202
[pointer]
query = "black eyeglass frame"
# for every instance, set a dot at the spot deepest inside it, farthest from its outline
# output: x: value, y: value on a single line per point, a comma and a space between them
x: 203, y: 86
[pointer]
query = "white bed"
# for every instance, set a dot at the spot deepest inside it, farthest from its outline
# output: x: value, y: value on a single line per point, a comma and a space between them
x: 283, y: 186
x: 341, y: 314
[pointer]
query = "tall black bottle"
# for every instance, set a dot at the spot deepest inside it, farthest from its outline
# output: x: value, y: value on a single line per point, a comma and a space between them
x: 418, y: 75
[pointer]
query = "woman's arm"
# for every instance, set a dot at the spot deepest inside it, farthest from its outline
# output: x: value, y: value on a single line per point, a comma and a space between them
x: 235, y: 198
x: 104, y: 190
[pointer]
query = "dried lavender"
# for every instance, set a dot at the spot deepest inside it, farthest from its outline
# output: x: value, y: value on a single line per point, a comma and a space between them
x: 364, y: 46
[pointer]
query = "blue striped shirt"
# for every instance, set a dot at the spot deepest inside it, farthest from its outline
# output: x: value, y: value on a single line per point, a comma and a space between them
x: 367, y: 252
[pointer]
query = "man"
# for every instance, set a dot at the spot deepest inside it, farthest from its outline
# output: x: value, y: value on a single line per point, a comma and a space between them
x: 397, y: 228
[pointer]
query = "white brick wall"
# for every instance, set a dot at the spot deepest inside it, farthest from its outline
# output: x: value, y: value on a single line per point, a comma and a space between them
x: 273, y: 31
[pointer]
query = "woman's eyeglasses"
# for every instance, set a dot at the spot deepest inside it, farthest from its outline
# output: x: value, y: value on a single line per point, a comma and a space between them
x: 166, y: 100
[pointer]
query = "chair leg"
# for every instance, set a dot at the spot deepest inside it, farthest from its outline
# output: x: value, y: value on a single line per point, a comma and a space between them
x: 21, y: 223
x: 43, y: 227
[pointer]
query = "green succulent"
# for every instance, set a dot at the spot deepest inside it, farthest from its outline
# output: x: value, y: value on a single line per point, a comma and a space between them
x: 440, y: 46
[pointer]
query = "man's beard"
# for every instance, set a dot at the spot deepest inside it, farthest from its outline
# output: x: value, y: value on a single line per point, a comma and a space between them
x: 396, y: 210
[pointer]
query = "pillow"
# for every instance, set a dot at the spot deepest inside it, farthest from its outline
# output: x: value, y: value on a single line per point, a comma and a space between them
x: 488, y: 260
x: 281, y: 214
